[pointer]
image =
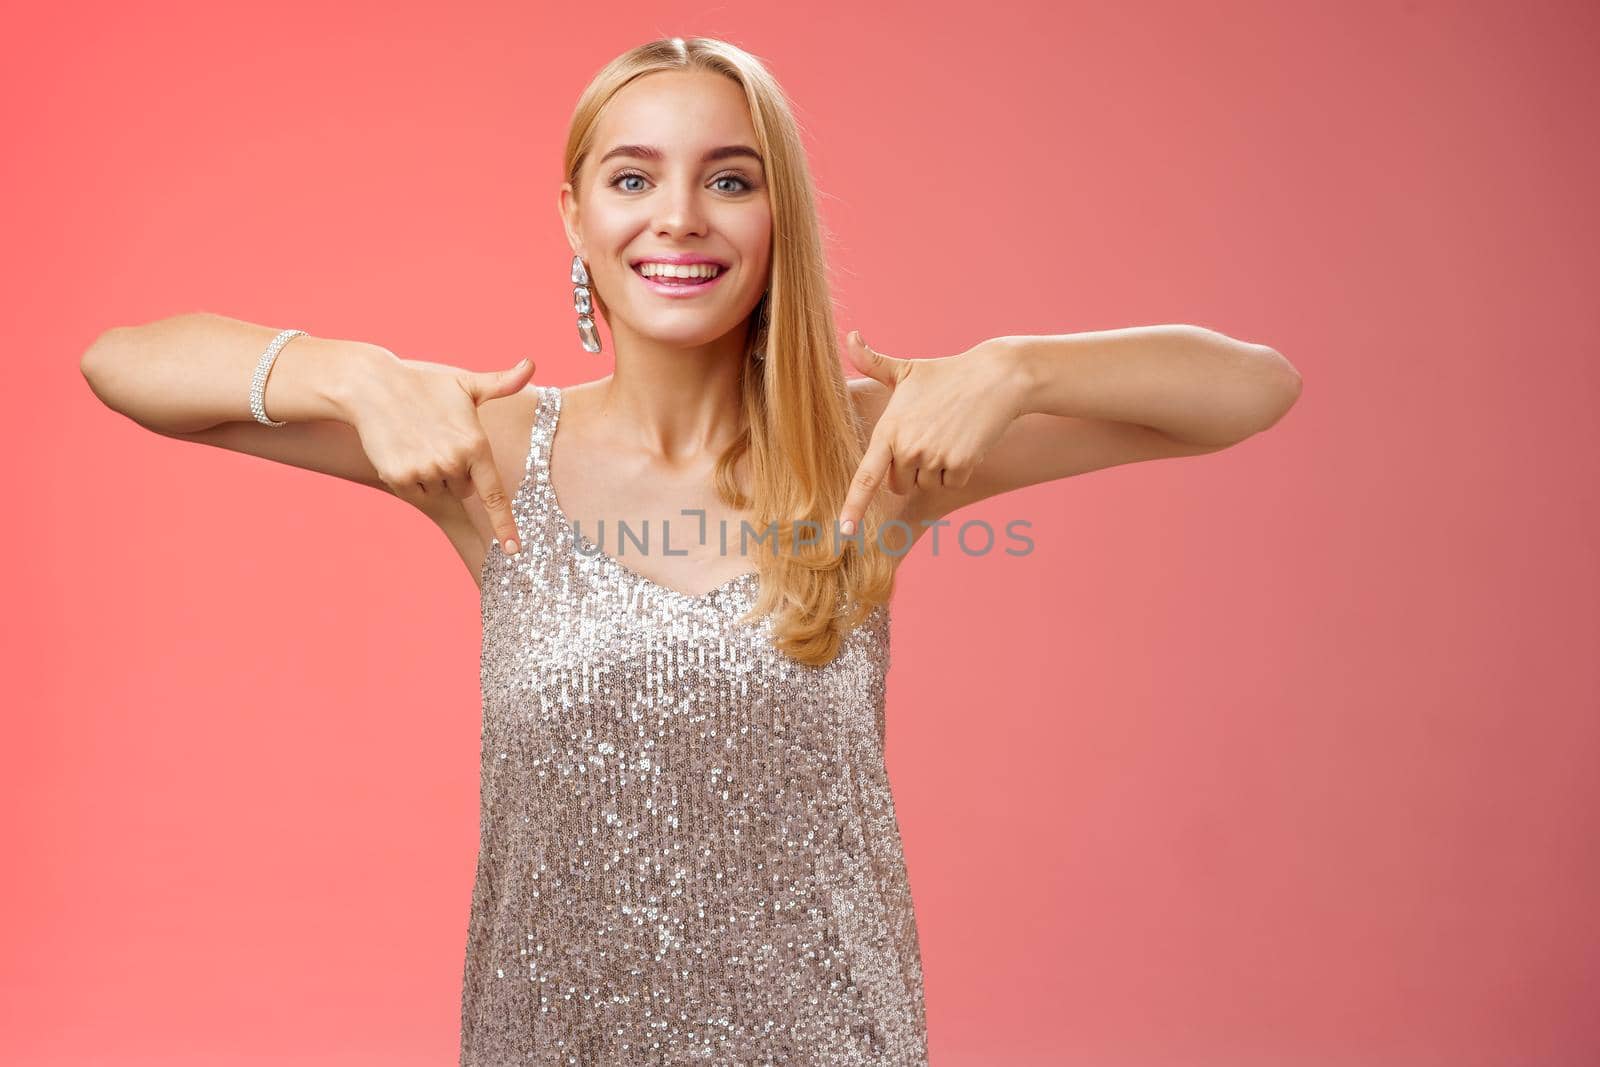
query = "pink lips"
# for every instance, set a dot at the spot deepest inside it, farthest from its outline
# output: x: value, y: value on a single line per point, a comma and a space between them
x: 679, y: 291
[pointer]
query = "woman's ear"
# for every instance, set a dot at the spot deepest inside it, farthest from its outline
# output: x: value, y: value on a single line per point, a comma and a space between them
x: 567, y: 208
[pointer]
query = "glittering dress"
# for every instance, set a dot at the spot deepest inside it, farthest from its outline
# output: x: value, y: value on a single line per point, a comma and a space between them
x: 688, y: 849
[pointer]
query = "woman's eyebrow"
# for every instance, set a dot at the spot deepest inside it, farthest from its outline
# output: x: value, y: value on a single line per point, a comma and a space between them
x: 651, y: 152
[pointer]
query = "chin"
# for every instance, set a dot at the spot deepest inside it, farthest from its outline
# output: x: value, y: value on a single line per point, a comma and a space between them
x: 686, y: 328
x: 680, y: 335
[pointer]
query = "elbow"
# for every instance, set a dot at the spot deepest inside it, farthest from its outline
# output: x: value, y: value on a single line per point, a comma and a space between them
x: 92, y: 361
x: 1287, y: 381
x: 1280, y: 389
x: 100, y: 362
x: 1291, y: 390
x: 99, y: 351
x: 1263, y: 386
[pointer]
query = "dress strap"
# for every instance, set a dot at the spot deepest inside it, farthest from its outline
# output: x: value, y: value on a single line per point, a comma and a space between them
x: 542, y: 432
x: 528, y: 501
x: 541, y: 494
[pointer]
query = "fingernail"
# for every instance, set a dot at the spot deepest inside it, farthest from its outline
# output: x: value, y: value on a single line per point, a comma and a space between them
x: 511, y: 547
x: 849, y: 527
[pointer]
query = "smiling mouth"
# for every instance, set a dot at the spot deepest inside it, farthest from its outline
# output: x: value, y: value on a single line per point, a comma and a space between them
x: 674, y: 280
x: 671, y: 287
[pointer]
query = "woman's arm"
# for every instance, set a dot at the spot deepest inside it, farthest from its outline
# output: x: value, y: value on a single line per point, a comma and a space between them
x: 419, y: 431
x: 1194, y: 385
x: 192, y: 371
x: 1088, y: 401
x: 188, y: 377
x: 1017, y: 411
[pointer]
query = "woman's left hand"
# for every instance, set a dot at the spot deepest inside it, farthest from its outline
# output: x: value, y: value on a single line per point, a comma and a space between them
x: 942, y: 418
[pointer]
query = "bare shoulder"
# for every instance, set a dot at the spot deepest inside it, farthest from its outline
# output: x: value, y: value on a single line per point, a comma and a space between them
x: 869, y: 397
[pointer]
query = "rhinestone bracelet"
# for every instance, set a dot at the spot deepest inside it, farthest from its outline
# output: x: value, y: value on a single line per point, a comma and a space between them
x: 258, y: 383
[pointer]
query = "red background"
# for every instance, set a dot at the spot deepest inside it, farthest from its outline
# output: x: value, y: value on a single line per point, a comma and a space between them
x: 1282, y: 755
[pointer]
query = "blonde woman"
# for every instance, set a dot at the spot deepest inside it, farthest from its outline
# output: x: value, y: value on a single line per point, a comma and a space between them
x: 689, y: 849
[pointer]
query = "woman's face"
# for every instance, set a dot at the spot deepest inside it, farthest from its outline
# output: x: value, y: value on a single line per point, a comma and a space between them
x: 697, y: 192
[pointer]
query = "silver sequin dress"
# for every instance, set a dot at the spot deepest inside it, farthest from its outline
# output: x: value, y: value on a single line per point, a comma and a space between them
x: 688, y: 849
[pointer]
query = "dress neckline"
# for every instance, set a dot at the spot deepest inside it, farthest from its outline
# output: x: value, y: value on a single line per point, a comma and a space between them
x: 587, y: 549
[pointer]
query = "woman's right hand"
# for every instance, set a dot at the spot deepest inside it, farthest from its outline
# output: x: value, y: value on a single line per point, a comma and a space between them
x: 419, y: 426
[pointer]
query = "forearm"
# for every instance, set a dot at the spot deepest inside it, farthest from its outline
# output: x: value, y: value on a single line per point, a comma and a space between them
x: 192, y: 371
x: 1190, y: 383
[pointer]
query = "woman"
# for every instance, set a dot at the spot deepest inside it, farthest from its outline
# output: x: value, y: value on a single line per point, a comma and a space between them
x: 689, y: 848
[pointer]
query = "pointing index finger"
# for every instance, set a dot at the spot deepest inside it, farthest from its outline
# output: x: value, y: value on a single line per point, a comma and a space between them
x: 868, y: 478
x: 486, y: 481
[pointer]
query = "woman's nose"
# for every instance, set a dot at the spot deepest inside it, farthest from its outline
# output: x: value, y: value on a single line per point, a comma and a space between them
x: 681, y: 212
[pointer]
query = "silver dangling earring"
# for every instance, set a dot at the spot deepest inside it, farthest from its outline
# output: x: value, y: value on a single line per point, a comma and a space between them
x: 580, y: 302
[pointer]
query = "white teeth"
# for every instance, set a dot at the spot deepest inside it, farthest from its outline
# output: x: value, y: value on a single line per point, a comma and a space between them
x: 669, y: 270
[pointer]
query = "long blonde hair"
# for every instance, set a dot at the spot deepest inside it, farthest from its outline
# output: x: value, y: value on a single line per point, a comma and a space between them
x: 802, y: 436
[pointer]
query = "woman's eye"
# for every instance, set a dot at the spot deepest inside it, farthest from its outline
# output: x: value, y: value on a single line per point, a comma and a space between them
x: 744, y: 184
